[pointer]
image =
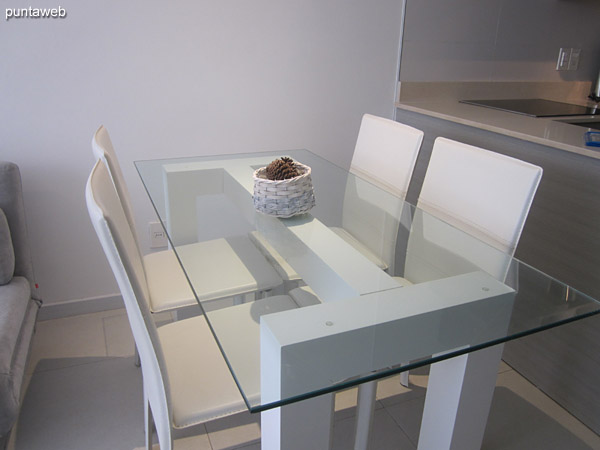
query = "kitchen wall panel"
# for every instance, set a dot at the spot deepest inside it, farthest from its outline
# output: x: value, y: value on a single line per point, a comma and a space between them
x: 498, y: 40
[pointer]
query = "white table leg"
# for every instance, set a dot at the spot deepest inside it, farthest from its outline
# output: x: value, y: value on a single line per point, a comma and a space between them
x: 364, y: 414
x: 459, y: 396
x: 299, y: 426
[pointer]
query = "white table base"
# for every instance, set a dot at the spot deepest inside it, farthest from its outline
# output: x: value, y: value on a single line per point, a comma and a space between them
x: 457, y: 405
x: 299, y: 426
x: 458, y: 401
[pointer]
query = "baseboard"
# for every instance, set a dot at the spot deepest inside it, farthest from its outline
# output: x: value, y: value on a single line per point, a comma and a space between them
x: 81, y: 306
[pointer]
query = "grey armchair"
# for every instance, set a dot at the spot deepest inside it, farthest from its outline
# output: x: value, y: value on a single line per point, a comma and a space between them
x: 19, y: 302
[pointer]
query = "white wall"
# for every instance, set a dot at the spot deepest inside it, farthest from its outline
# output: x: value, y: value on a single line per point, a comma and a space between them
x: 172, y: 79
x: 498, y: 40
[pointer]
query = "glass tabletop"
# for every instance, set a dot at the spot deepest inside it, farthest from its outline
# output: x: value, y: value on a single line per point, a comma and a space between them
x: 378, y: 285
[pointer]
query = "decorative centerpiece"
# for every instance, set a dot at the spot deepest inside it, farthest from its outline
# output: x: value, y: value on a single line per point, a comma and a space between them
x: 283, y: 188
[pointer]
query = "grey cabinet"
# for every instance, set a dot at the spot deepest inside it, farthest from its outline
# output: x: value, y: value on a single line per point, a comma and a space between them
x: 562, y: 238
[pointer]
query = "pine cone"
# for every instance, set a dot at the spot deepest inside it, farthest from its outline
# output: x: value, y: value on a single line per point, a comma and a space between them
x: 282, y: 169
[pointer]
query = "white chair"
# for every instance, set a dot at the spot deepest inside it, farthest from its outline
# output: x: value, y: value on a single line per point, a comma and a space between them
x: 483, y: 193
x: 227, y: 269
x: 480, y: 192
x: 186, y: 379
x: 385, y: 155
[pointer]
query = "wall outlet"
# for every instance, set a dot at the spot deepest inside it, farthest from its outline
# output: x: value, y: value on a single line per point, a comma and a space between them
x: 568, y: 59
x: 564, y: 54
x: 574, y: 59
x: 158, y: 237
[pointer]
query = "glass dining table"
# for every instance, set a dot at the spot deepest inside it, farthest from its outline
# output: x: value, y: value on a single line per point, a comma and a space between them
x: 443, y: 297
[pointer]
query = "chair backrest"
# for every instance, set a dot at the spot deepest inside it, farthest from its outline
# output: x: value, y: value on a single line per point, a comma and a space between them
x: 386, y: 152
x: 385, y: 155
x: 113, y: 230
x: 479, y: 192
x: 103, y: 149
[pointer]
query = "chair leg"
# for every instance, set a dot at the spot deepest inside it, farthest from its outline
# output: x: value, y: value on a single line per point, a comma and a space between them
x: 404, y: 381
x: 148, y: 423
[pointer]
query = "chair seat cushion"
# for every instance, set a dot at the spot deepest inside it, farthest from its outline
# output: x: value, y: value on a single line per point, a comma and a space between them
x: 202, y: 387
x: 167, y: 285
x: 7, y: 253
x: 362, y: 248
x: 227, y: 267
x: 217, y: 268
x: 238, y: 328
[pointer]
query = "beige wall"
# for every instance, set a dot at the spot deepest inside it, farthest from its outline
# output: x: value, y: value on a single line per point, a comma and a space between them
x: 172, y: 79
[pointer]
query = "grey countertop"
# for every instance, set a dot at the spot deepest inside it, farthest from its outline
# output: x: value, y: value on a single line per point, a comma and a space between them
x: 549, y: 131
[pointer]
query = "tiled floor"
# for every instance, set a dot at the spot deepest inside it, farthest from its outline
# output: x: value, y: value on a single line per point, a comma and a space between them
x: 84, y: 393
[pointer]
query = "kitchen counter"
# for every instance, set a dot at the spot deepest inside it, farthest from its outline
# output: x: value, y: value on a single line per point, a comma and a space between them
x: 548, y: 131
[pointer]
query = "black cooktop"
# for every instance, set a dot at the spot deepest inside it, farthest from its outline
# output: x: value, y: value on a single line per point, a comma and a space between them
x: 535, y: 107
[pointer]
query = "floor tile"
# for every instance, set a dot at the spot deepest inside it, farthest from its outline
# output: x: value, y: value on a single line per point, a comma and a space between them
x: 251, y: 447
x: 385, y: 434
x: 94, y: 406
x: 198, y: 442
x: 504, y: 367
x: 408, y: 416
x: 345, y: 404
x: 523, y: 417
x: 82, y: 373
x: 390, y: 391
x: 67, y: 341
x: 234, y: 431
x: 118, y: 336
x: 345, y: 399
x: 192, y: 438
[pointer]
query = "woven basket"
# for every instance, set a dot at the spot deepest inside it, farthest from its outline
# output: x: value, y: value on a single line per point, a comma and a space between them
x: 284, y: 198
